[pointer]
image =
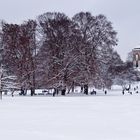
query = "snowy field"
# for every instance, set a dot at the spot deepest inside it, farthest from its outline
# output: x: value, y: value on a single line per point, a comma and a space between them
x: 111, y: 117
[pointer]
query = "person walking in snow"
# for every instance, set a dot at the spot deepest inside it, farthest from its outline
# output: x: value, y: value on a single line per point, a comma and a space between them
x: 63, y: 91
x: 105, y: 92
x: 93, y: 92
x: 123, y: 91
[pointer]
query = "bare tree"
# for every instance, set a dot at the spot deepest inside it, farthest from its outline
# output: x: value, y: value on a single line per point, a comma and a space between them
x: 98, y: 40
x: 60, y: 49
x: 19, y: 52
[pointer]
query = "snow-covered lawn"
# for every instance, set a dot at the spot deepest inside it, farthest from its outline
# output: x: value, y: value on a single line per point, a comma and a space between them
x: 70, y: 118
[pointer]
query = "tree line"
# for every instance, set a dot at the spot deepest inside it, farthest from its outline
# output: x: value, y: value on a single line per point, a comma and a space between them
x: 55, y: 51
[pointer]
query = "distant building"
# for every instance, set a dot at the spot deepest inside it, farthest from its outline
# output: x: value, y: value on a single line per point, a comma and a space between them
x: 136, y: 57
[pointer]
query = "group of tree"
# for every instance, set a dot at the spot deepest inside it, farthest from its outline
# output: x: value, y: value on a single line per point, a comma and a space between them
x: 55, y: 51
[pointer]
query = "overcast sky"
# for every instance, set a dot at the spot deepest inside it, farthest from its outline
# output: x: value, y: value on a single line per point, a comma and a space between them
x: 124, y: 14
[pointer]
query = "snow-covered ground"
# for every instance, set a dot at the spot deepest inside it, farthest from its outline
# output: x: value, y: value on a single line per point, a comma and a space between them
x: 111, y: 117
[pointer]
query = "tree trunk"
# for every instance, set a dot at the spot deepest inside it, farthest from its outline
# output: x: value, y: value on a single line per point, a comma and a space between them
x: 32, y: 91
x: 86, y: 89
x: 1, y: 94
x: 73, y: 86
x: 32, y: 77
x: 21, y: 91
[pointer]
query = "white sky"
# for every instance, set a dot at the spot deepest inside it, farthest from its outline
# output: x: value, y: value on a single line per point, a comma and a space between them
x: 124, y: 14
